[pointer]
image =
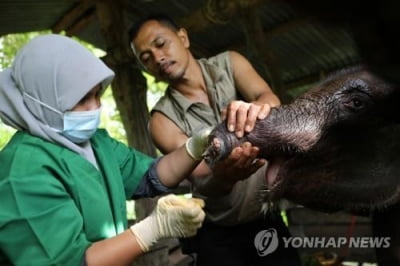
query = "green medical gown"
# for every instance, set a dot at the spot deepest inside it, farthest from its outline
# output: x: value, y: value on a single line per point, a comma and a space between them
x: 54, y: 203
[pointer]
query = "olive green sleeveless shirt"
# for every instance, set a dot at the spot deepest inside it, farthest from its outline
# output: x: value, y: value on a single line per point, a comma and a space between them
x: 188, y: 115
x: 242, y: 204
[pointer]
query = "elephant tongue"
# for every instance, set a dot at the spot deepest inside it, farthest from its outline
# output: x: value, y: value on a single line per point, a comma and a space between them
x: 272, y: 171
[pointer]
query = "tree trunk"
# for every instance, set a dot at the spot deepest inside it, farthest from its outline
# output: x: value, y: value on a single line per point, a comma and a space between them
x: 129, y: 90
x: 129, y: 86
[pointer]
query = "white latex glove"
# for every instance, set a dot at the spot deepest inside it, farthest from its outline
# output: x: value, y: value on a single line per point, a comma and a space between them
x: 173, y: 217
x: 197, y: 143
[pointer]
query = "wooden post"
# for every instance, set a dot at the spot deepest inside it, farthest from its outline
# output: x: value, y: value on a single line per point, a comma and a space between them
x: 129, y: 90
x: 129, y: 86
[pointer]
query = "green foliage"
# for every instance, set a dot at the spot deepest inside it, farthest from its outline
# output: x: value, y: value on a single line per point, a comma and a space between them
x: 110, y: 117
x: 6, y: 133
x: 10, y: 45
x: 154, y: 90
x: 111, y: 120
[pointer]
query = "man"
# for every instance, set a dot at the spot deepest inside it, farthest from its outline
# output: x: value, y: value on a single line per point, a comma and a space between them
x: 202, y: 93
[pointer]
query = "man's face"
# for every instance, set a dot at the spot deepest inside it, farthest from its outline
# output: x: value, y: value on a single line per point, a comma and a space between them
x: 162, y: 51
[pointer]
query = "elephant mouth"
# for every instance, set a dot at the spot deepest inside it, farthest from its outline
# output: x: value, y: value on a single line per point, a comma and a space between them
x: 277, y: 158
x: 272, y: 172
x: 215, y: 151
x: 274, y: 181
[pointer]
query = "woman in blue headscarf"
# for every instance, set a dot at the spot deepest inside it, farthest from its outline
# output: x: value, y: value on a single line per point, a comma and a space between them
x: 63, y: 181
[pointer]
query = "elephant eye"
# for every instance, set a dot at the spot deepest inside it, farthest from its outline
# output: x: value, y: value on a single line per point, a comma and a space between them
x: 355, y: 104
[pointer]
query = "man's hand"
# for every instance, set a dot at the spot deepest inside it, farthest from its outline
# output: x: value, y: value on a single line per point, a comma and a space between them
x: 242, y: 116
x: 241, y: 163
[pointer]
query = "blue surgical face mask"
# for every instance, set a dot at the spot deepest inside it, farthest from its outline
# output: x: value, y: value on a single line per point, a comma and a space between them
x: 80, y: 126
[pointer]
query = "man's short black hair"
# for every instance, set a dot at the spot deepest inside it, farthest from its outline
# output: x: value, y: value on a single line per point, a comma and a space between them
x: 161, y: 18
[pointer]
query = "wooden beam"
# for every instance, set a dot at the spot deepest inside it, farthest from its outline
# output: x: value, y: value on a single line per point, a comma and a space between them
x: 288, y: 26
x: 68, y: 19
x: 81, y: 23
x: 215, y: 12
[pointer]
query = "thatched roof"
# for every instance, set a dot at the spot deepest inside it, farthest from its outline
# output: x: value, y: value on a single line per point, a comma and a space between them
x: 285, y: 45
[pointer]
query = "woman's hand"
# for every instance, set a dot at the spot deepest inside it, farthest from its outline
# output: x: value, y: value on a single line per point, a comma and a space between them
x: 173, y: 217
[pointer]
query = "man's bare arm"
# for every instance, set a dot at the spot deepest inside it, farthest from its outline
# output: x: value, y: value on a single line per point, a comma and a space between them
x: 258, y: 97
x: 167, y: 137
x: 249, y: 83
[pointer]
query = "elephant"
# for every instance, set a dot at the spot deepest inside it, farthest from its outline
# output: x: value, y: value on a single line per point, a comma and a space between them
x: 334, y: 148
